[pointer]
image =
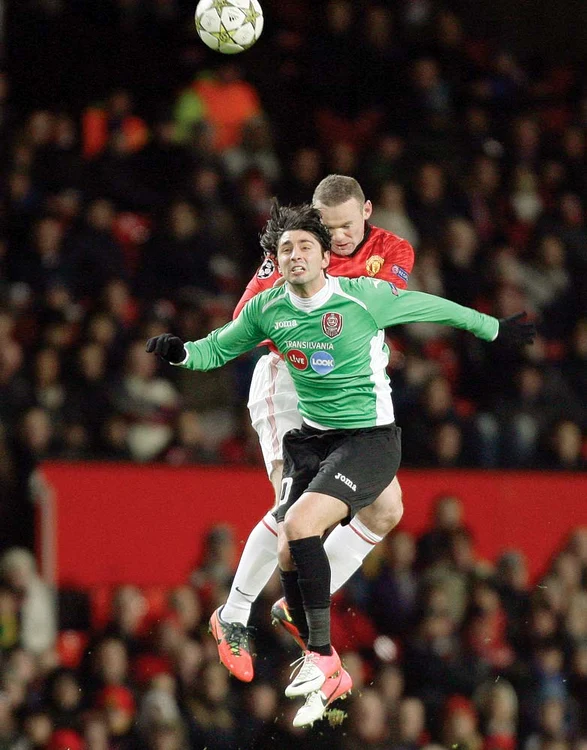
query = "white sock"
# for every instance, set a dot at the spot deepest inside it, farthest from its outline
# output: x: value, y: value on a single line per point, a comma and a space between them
x: 257, y: 563
x: 347, y: 547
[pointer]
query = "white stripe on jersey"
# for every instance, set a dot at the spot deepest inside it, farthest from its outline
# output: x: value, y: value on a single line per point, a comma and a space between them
x: 273, y: 302
x: 379, y: 359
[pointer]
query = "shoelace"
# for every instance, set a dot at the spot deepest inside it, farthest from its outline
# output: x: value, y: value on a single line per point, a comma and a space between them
x: 237, y: 637
x: 303, y: 665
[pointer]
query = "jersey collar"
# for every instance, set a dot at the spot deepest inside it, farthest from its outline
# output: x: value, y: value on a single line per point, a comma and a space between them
x: 313, y: 303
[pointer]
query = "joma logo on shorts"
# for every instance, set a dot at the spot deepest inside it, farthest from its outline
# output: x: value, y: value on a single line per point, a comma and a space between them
x: 347, y: 481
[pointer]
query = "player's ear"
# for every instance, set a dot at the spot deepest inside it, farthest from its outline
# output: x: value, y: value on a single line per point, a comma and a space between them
x: 325, y: 259
x: 367, y: 210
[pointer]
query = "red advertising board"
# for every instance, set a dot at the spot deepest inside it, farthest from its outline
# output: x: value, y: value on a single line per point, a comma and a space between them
x: 116, y: 523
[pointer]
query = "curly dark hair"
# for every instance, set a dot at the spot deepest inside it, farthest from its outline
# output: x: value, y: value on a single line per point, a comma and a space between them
x: 290, y: 218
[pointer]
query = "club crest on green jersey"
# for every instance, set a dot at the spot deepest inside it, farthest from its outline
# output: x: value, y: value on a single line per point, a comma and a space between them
x: 332, y: 324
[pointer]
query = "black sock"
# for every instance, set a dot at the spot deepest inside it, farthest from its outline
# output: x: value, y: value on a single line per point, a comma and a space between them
x: 314, y: 582
x: 293, y: 597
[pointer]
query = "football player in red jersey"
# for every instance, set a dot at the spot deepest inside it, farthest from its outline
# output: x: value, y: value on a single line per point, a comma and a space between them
x: 358, y: 249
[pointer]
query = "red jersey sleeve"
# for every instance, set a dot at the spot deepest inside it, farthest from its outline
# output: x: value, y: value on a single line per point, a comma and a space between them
x: 382, y: 255
x: 265, y: 277
x: 399, y: 257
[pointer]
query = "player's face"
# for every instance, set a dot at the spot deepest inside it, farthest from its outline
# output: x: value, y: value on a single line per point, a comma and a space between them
x: 302, y: 261
x: 346, y: 223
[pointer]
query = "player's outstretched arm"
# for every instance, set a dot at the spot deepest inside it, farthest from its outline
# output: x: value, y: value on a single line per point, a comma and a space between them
x: 216, y: 349
x: 418, y: 307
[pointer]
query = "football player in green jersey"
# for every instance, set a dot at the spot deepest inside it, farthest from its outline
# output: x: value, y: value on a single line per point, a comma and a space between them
x: 331, y: 333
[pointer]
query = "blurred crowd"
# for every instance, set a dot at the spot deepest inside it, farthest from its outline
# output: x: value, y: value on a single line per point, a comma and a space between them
x: 447, y: 651
x: 135, y: 186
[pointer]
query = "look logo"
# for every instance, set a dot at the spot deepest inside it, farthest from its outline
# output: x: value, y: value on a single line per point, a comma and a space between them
x: 322, y: 362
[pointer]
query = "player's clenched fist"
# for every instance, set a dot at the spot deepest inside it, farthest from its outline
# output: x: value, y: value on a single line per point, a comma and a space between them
x: 168, y: 347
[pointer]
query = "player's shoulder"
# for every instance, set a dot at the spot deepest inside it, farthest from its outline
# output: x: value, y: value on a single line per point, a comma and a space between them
x: 364, y: 285
x: 388, y: 240
x: 268, y: 297
x: 394, y: 250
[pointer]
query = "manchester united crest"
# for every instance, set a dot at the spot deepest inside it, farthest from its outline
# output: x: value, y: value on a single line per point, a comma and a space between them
x: 332, y: 324
x: 374, y: 264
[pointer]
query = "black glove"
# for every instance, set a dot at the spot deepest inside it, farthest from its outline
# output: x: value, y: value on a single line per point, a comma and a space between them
x: 168, y: 347
x: 515, y: 331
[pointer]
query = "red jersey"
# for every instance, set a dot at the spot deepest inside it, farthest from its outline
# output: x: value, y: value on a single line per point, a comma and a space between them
x: 381, y: 254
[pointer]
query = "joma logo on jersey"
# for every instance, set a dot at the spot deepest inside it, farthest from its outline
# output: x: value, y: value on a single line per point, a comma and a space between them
x: 347, y: 481
x: 285, y: 324
x: 332, y: 324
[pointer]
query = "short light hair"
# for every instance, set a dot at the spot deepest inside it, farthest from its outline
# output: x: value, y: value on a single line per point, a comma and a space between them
x: 336, y: 189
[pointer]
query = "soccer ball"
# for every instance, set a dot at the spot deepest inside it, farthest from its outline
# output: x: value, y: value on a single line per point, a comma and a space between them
x: 229, y: 26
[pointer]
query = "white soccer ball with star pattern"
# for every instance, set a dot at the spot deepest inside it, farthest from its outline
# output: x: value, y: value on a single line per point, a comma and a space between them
x: 229, y: 26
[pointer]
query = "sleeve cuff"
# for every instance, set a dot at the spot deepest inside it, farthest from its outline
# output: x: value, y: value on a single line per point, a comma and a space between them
x: 183, y: 361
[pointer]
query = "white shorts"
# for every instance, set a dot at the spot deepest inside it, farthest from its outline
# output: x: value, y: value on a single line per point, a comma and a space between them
x: 273, y: 406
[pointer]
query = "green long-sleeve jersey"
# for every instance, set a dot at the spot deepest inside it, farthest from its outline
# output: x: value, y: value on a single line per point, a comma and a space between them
x: 333, y: 343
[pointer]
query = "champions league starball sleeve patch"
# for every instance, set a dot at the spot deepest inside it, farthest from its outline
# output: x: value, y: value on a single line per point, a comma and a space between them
x: 267, y: 268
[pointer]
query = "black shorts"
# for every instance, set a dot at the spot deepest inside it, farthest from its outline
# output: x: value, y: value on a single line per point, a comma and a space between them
x: 354, y: 466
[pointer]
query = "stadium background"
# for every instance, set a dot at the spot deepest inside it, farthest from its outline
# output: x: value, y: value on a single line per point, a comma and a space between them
x: 137, y: 170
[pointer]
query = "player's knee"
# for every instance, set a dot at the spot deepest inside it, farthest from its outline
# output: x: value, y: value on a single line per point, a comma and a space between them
x: 393, y: 510
x: 283, y: 554
x: 383, y: 516
x: 396, y: 509
x: 294, y: 526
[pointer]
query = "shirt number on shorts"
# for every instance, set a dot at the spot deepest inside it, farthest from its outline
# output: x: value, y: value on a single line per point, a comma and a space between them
x: 285, y: 489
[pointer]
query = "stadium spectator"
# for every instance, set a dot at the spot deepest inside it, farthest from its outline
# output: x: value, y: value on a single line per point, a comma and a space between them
x: 229, y: 101
x: 434, y: 545
x: 117, y: 115
x: 148, y: 401
x: 392, y: 591
x: 389, y: 212
x: 36, y: 601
